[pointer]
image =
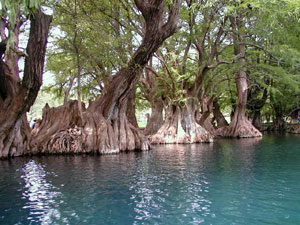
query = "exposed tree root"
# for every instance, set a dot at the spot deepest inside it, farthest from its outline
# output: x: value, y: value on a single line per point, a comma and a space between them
x: 15, y: 143
x: 104, y: 127
x: 63, y: 131
x: 56, y: 124
x: 66, y: 141
x: 180, y: 127
x: 239, y: 129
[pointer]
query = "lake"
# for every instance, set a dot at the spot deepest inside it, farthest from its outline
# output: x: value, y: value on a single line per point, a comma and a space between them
x: 246, y: 181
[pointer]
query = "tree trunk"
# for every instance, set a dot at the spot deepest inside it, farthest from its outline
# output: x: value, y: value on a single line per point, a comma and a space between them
x: 16, y: 97
x: 240, y: 126
x: 206, y: 123
x: 257, y: 120
x: 131, y: 108
x: 204, y: 119
x: 79, y: 86
x: 105, y: 127
x: 255, y: 104
x: 180, y: 126
x: 67, y: 91
x: 218, y: 116
x: 59, y: 130
x: 278, y: 120
x: 149, y: 89
x: 279, y: 123
x: 156, y: 119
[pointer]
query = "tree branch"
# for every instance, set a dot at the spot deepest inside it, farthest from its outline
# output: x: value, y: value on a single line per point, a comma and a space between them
x: 171, y: 25
x: 34, y: 62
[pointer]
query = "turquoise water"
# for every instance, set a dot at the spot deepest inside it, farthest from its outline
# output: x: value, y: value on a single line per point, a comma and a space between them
x: 251, y: 181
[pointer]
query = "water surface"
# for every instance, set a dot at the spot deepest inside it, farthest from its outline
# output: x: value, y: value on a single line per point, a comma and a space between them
x: 249, y: 181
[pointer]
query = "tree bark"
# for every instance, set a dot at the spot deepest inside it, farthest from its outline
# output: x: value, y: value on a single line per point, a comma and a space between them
x: 156, y: 119
x: 105, y: 127
x: 240, y: 126
x: 131, y: 108
x: 180, y: 126
x: 67, y: 91
x: 278, y: 121
x: 53, y: 124
x: 218, y: 116
x: 204, y: 118
x: 257, y: 120
x: 149, y: 85
x: 17, y: 97
x: 255, y: 104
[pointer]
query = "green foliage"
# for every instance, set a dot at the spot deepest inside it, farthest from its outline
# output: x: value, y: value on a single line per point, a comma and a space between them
x: 97, y: 33
x: 12, y: 9
x: 104, y: 34
x: 15, y: 11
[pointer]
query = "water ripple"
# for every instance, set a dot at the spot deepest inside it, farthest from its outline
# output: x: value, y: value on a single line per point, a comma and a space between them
x: 40, y: 194
x: 228, y: 182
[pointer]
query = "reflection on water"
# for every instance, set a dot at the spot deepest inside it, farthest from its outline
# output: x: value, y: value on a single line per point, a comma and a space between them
x: 40, y: 194
x: 168, y: 178
x: 248, y: 181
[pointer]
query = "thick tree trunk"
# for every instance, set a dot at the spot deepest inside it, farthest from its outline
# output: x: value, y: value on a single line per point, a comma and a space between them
x: 278, y: 120
x: 240, y: 126
x: 204, y: 119
x: 255, y: 104
x: 150, y: 87
x: 17, y: 140
x: 156, y: 119
x: 180, y: 126
x: 49, y: 134
x: 207, y: 123
x: 131, y: 108
x: 257, y: 120
x: 218, y: 116
x: 17, y: 97
x: 105, y: 127
x: 63, y: 131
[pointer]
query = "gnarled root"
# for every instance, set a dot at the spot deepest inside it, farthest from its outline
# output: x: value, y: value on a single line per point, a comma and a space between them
x: 55, y: 122
x: 172, y: 131
x: 15, y: 142
x: 63, y: 130
x: 66, y: 141
x: 239, y: 129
